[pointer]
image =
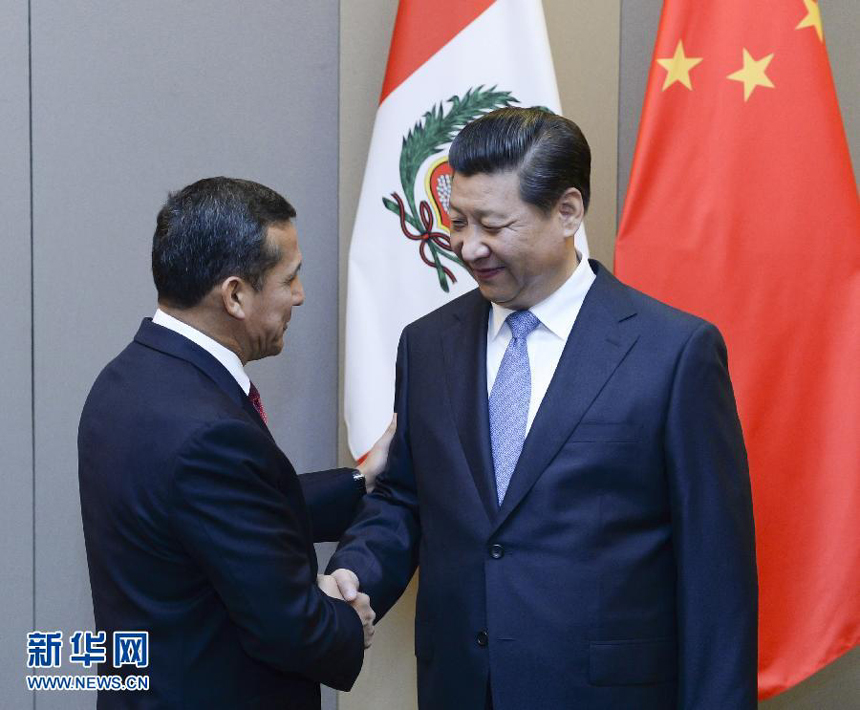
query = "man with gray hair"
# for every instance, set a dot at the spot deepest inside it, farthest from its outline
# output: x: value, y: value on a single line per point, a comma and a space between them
x: 568, y: 469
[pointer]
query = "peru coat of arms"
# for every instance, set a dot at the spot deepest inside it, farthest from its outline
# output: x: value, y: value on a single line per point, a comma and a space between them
x: 425, y: 220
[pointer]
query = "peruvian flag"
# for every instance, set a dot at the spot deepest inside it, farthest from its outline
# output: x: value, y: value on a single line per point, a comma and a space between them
x: 450, y: 62
x: 742, y: 208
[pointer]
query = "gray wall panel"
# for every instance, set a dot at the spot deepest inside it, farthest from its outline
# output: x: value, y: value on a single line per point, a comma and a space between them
x: 131, y: 100
x: 841, y: 20
x: 639, y: 21
x: 16, y: 464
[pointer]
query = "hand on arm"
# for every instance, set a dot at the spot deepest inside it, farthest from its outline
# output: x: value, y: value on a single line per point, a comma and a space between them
x: 377, y: 458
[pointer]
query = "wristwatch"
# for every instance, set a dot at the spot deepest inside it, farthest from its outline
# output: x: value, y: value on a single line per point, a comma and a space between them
x: 360, y: 480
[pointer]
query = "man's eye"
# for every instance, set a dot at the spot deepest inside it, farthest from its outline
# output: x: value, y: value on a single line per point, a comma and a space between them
x: 458, y: 224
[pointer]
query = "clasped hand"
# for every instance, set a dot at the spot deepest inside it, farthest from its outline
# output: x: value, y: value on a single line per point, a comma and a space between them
x: 343, y: 584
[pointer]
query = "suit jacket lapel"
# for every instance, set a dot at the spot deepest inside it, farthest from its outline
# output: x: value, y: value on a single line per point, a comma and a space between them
x: 171, y: 343
x: 596, y: 346
x: 464, y: 351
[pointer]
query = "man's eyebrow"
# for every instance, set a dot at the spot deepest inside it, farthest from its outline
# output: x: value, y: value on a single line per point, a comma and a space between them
x: 485, y: 214
x: 295, y: 273
x: 479, y: 213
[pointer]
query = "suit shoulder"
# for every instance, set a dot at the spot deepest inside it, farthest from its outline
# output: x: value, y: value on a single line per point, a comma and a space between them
x: 441, y: 316
x: 156, y: 394
x: 664, y: 318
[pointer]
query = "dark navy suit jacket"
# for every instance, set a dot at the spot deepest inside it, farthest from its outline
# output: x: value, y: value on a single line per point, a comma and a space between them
x: 199, y: 531
x: 619, y: 571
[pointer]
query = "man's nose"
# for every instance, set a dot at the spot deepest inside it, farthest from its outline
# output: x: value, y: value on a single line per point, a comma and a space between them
x: 474, y: 247
x: 298, y: 292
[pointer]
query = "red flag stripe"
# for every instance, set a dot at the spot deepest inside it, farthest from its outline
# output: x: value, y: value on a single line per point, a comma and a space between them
x: 421, y: 29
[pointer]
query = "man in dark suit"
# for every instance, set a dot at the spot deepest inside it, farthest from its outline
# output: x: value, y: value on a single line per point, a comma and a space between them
x: 568, y: 469
x: 198, y: 530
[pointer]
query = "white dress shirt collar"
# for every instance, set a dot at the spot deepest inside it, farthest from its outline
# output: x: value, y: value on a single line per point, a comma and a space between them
x: 558, y: 311
x: 225, y: 356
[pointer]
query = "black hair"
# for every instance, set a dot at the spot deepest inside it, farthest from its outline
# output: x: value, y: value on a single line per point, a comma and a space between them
x: 548, y: 152
x: 213, y: 229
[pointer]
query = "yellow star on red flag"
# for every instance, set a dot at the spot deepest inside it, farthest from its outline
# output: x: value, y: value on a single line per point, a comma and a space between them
x: 678, y: 67
x: 752, y: 74
x: 812, y: 19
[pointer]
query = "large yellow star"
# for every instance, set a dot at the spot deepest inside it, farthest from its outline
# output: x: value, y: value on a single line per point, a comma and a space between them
x: 812, y: 19
x: 678, y: 67
x: 752, y: 73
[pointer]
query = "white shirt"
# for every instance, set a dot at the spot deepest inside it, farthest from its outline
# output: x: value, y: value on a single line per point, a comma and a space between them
x: 225, y: 356
x: 557, y: 314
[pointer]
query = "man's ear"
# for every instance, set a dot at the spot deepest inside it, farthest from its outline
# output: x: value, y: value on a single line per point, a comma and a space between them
x: 571, y: 210
x: 235, y: 296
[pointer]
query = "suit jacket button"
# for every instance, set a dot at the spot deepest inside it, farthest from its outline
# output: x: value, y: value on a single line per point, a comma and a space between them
x: 482, y: 638
x: 497, y: 551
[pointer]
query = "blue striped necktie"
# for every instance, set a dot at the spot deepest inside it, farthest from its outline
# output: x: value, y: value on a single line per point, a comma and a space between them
x: 509, y: 400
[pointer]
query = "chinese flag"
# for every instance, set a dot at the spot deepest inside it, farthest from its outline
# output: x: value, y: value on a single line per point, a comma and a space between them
x: 742, y: 208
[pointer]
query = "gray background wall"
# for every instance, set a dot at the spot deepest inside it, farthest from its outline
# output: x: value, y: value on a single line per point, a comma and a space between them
x: 16, y: 467
x: 131, y: 100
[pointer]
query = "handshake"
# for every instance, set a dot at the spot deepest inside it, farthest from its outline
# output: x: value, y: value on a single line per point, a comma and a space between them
x: 343, y: 584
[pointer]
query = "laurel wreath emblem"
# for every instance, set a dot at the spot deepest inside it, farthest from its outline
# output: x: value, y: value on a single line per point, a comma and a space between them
x: 435, y: 130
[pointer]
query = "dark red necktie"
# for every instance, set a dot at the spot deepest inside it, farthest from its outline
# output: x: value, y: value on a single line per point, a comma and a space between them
x: 254, y: 396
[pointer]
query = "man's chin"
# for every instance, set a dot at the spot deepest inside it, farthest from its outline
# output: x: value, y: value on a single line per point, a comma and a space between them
x: 275, y: 348
x: 491, y: 293
x: 499, y: 297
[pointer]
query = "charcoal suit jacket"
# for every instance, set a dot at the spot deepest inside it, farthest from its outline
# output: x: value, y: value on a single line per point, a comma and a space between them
x: 619, y: 571
x: 199, y: 531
